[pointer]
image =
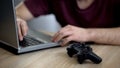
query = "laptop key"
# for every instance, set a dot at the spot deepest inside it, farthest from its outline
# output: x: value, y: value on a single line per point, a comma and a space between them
x: 29, y: 41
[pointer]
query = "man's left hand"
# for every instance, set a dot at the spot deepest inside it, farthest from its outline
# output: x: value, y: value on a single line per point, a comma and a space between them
x: 71, y: 33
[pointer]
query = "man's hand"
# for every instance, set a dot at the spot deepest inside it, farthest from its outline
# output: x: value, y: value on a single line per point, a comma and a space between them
x: 71, y: 33
x: 22, y: 28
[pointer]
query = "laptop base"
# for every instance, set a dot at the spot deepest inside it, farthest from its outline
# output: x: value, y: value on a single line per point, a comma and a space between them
x: 16, y: 51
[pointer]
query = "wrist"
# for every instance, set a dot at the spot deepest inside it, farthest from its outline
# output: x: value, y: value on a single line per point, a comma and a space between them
x: 92, y: 35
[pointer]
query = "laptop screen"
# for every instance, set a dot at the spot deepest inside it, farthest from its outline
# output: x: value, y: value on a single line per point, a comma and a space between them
x: 8, y: 33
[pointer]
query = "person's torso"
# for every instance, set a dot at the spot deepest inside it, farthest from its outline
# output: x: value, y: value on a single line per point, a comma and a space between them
x: 99, y: 14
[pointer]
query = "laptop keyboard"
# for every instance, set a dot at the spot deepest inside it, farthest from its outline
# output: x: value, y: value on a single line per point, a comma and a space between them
x: 29, y: 41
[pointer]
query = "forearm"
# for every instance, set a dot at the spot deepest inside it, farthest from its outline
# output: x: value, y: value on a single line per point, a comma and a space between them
x: 23, y: 12
x: 105, y: 35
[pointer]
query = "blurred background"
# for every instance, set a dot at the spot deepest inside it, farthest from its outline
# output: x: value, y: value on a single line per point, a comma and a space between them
x: 45, y: 23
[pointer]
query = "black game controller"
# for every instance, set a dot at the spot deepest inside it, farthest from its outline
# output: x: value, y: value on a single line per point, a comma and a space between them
x: 83, y: 52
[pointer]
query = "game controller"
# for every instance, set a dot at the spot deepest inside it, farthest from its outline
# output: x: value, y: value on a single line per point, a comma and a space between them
x: 83, y: 52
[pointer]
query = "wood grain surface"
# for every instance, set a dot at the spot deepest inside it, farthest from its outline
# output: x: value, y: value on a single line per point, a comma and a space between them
x: 58, y: 58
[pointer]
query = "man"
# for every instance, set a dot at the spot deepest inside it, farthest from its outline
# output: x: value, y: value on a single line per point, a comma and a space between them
x: 82, y: 20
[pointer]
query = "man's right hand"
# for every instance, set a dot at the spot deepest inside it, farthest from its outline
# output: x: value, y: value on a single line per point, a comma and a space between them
x: 22, y: 28
x: 23, y: 15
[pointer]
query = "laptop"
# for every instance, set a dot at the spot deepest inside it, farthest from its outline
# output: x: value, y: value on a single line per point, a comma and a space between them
x: 9, y: 33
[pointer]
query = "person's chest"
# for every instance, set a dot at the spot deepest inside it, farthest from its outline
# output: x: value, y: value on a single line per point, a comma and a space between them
x: 96, y: 13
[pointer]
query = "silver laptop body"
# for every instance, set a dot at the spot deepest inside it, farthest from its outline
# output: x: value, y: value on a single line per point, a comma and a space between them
x: 9, y: 33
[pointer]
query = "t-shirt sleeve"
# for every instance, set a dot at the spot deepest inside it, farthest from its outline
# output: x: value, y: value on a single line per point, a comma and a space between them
x: 37, y: 7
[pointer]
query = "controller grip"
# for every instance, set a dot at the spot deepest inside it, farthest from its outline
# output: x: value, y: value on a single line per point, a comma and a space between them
x: 70, y: 52
x: 93, y: 57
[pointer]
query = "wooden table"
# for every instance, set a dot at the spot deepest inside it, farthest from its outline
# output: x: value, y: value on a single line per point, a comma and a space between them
x: 58, y: 58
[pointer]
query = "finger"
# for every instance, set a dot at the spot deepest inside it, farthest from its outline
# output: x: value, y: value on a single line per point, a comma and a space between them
x: 63, y: 35
x: 65, y: 29
x: 61, y: 30
x: 24, y: 28
x: 54, y: 37
x: 19, y: 32
x: 67, y: 40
